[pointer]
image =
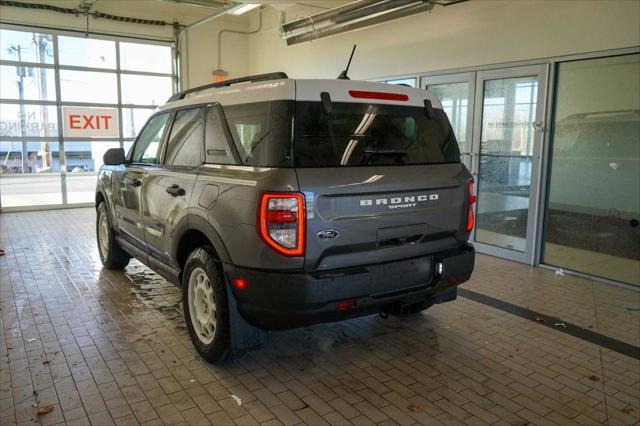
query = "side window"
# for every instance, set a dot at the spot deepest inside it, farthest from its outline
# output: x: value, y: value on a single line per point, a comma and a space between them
x: 218, y: 150
x: 147, y: 145
x: 186, y: 140
x: 249, y: 125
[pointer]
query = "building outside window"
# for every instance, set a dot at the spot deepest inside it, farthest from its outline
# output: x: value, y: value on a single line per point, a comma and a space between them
x: 42, y: 75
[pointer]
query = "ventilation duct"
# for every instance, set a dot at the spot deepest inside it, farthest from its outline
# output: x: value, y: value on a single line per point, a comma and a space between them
x: 353, y: 16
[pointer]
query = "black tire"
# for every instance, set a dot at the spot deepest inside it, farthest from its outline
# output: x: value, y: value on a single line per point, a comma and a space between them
x: 219, y: 349
x: 115, y: 257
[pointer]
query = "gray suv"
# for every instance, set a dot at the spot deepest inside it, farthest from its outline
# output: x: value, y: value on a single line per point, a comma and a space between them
x: 276, y: 203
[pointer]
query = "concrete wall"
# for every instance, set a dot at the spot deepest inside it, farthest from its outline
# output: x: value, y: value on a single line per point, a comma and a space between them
x: 473, y: 33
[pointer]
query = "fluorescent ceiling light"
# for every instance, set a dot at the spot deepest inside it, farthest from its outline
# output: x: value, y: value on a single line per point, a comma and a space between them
x: 244, y: 8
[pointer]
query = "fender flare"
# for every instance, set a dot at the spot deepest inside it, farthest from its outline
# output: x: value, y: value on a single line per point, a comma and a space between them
x: 194, y: 222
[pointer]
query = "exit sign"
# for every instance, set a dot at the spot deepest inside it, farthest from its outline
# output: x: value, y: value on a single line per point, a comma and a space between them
x: 85, y: 122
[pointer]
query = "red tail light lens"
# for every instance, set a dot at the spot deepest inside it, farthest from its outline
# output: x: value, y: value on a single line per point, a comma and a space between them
x: 471, y: 221
x: 281, y: 222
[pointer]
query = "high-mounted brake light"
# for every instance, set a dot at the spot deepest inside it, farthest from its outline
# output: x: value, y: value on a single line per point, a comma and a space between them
x: 362, y: 94
x: 281, y: 222
x: 471, y: 221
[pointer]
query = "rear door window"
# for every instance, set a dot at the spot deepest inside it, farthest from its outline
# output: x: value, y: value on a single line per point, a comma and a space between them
x: 186, y: 140
x: 371, y: 135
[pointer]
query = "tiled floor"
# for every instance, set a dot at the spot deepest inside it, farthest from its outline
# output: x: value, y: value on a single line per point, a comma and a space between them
x: 105, y: 347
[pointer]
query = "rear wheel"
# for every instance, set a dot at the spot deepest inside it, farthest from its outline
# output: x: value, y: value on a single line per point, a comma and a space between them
x: 205, y: 306
x: 111, y: 254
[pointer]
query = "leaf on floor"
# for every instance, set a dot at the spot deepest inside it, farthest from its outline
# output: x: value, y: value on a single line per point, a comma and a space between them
x: 627, y: 410
x: 45, y: 409
x: 594, y: 378
x: 415, y: 408
x: 237, y: 399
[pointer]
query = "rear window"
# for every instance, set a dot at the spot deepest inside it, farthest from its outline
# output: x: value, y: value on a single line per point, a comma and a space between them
x: 371, y: 135
x: 301, y: 134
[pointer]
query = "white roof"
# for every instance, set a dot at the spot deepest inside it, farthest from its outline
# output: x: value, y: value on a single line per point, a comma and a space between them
x: 309, y: 90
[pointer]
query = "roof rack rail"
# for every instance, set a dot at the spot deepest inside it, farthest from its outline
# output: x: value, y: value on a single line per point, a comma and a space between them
x: 248, y: 79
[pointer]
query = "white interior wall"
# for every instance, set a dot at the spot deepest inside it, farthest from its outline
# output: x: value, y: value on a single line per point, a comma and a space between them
x: 462, y: 35
x: 200, y: 46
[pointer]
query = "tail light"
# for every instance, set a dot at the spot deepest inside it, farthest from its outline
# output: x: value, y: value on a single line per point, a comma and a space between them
x: 472, y: 200
x: 281, y: 222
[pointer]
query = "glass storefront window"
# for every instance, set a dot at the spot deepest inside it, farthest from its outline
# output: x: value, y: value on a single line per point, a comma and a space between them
x: 593, y: 202
x: 84, y: 159
x: 28, y: 120
x: 87, y: 52
x: 406, y: 81
x: 145, y: 90
x: 145, y: 57
x: 133, y: 119
x: 30, y: 174
x: 26, y: 46
x: 88, y: 86
x: 455, y: 103
x: 27, y: 83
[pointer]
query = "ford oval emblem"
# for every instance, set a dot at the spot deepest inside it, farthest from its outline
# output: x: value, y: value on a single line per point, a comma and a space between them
x: 327, y: 234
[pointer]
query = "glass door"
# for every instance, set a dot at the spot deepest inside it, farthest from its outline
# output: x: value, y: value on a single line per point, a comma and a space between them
x: 507, y: 141
x: 456, y: 92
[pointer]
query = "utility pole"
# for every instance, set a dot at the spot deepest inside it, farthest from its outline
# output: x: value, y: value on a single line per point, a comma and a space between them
x: 39, y: 40
x: 21, y: 71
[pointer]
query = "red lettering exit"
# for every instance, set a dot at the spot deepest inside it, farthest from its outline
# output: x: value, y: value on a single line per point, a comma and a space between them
x: 97, y: 122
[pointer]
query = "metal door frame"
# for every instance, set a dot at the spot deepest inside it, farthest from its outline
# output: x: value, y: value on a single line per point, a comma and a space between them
x: 535, y: 201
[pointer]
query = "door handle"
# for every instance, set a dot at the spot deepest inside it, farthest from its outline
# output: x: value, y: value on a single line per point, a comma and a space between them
x: 175, y: 190
x: 134, y: 182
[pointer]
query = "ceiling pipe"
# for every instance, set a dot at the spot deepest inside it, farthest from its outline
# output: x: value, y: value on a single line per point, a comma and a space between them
x: 199, y: 3
x: 329, y: 14
x: 361, y: 14
x: 179, y: 31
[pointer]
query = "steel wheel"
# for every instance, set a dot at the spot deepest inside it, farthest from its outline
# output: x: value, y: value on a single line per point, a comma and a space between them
x: 103, y: 235
x: 202, y: 306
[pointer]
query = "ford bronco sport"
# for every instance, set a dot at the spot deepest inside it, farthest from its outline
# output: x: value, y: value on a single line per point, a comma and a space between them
x: 276, y: 203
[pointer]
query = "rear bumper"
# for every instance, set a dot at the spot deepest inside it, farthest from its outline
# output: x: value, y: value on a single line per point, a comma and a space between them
x: 284, y: 300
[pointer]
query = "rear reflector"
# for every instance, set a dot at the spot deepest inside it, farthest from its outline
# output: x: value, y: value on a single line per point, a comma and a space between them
x: 379, y: 95
x: 453, y: 281
x: 346, y: 305
x: 240, y: 284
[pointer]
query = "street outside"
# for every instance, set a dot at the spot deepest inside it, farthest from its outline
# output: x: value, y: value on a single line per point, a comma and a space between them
x: 45, y: 189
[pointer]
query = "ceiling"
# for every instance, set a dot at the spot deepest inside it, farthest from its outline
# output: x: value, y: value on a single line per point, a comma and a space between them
x: 183, y: 11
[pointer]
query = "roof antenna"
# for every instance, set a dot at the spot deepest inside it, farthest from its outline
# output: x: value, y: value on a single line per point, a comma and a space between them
x: 343, y: 75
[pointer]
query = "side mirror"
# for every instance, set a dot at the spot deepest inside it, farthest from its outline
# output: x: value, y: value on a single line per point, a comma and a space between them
x: 113, y: 157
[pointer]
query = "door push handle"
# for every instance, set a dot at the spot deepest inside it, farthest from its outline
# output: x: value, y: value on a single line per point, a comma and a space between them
x: 134, y: 182
x: 175, y: 190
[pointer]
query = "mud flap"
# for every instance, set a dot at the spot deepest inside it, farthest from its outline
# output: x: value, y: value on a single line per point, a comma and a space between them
x: 244, y: 336
x: 447, y: 296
